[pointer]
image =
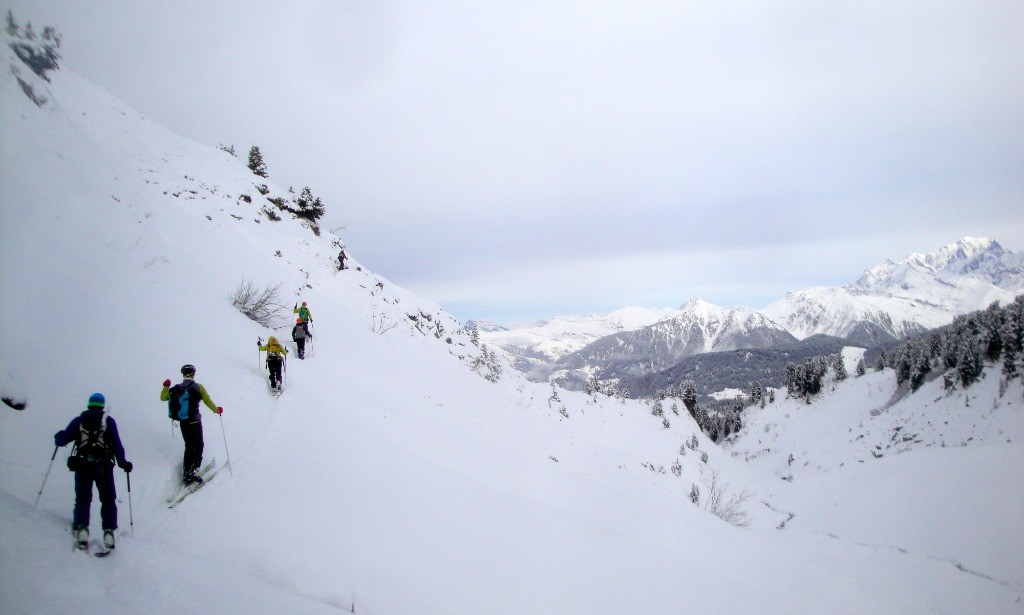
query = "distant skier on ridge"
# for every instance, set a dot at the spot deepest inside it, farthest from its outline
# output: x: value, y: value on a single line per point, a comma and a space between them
x: 97, y: 446
x: 183, y: 406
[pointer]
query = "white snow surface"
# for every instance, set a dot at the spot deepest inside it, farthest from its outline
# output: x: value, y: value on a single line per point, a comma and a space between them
x: 389, y: 477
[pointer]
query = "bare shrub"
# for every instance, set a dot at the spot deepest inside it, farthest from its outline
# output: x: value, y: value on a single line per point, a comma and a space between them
x: 261, y: 305
x: 728, y: 507
x: 382, y: 323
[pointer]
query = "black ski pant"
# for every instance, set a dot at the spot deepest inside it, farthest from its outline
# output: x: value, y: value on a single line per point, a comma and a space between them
x: 102, y: 475
x: 301, y: 344
x: 274, y: 365
x: 192, y: 434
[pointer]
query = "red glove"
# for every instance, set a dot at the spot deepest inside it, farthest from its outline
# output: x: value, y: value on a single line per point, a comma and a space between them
x: 220, y: 410
x: 167, y: 383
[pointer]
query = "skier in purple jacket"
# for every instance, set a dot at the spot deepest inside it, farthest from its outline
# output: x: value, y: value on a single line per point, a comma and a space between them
x: 97, y: 447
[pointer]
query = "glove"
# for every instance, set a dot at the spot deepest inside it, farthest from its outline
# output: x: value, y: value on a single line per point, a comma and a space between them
x: 126, y: 466
x: 220, y: 410
x: 167, y: 383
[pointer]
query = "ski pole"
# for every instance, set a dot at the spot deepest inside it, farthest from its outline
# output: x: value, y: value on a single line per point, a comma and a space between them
x: 52, y: 457
x: 224, y: 435
x: 131, y: 514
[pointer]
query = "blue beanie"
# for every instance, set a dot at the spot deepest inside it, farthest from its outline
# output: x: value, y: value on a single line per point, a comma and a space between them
x: 96, y: 400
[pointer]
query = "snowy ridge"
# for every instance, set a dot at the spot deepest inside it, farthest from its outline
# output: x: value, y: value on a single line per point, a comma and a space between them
x: 898, y: 298
x: 697, y: 327
x: 538, y: 345
x: 391, y: 477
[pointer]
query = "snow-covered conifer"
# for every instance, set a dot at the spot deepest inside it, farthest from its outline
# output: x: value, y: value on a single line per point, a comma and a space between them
x: 256, y: 164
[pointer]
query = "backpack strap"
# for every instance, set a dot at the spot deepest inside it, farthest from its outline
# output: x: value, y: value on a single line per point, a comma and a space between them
x: 99, y: 437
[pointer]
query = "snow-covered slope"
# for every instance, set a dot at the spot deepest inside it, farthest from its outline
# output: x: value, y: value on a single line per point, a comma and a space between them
x: 898, y: 298
x: 933, y: 469
x: 390, y: 477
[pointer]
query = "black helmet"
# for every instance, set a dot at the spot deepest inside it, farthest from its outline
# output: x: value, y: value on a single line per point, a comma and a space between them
x: 188, y: 370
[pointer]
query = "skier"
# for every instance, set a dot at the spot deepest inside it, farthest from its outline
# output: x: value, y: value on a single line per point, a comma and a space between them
x: 341, y: 260
x: 299, y: 337
x: 275, y: 353
x: 183, y: 406
x: 97, y: 446
x: 305, y: 316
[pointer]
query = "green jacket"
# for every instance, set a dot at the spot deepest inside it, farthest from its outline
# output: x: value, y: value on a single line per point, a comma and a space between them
x: 303, y: 313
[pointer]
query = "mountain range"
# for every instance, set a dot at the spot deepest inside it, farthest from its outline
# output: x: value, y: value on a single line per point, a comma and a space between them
x: 889, y: 302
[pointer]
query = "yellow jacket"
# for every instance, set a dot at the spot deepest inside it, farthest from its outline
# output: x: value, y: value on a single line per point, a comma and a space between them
x: 273, y: 346
x: 165, y: 394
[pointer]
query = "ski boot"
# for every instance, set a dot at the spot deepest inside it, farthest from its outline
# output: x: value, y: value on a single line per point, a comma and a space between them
x: 81, y: 534
x: 108, y: 539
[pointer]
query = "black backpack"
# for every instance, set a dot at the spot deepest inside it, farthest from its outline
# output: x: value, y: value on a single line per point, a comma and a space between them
x: 183, y: 404
x: 92, y: 445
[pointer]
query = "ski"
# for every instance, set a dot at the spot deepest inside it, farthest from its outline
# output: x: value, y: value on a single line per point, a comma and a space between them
x: 103, y: 552
x: 202, y: 473
x: 193, y: 488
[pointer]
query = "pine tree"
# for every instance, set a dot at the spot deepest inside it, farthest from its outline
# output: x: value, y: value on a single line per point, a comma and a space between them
x: 310, y: 207
x: 12, y: 25
x: 756, y: 393
x: 881, y: 362
x: 256, y: 164
x: 1011, y: 334
x: 688, y: 393
x: 860, y: 370
x: 992, y: 320
x: 920, y: 364
x: 839, y: 367
x: 41, y: 57
x: 969, y: 363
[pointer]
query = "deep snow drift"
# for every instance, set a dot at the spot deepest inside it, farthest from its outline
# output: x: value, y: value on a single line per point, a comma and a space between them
x: 393, y: 478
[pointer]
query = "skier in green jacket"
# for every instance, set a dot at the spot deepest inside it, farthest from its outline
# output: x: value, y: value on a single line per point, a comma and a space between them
x: 306, y: 317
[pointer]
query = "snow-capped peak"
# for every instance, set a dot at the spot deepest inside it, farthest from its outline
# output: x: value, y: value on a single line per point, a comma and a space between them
x: 980, y: 257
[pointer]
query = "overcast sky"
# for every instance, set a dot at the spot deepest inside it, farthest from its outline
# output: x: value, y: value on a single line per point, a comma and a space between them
x: 522, y: 160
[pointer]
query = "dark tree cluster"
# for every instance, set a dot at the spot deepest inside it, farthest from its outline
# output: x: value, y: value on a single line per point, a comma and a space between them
x: 804, y: 380
x: 961, y: 349
x: 39, y: 53
x: 718, y: 420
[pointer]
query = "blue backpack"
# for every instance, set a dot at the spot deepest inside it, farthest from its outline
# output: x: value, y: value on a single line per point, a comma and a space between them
x: 183, y: 405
